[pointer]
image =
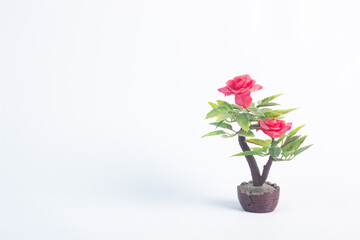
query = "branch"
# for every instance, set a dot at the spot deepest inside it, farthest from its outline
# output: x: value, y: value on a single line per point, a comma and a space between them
x: 266, y: 170
x: 255, y: 173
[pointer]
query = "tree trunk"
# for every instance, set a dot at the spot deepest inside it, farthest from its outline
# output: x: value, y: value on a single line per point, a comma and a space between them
x: 255, y: 173
x: 266, y: 170
x: 258, y: 180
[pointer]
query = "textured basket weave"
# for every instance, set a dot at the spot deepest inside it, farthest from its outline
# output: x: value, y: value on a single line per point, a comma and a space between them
x: 258, y: 203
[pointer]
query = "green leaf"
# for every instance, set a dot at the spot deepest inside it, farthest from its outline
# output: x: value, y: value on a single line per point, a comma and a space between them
x: 265, y: 110
x: 257, y: 149
x: 267, y: 104
x: 223, y: 103
x: 222, y: 116
x: 222, y: 125
x: 293, y: 144
x: 247, y: 153
x: 268, y: 99
x: 293, y: 132
x: 259, y: 142
x: 284, y: 111
x: 228, y: 135
x: 252, y: 127
x: 291, y: 139
x: 298, y: 142
x: 214, y: 133
x: 300, y: 150
x: 276, y: 142
x: 245, y: 134
x: 288, y: 153
x: 257, y: 112
x: 274, y: 151
x: 287, y: 145
x: 272, y: 115
x: 266, y: 147
x: 213, y: 105
x: 234, y: 106
x: 218, y: 124
x: 216, y: 111
x: 243, y: 121
x: 280, y: 159
x: 253, y: 117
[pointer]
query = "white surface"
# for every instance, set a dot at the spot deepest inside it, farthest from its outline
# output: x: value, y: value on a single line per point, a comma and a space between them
x: 102, y: 106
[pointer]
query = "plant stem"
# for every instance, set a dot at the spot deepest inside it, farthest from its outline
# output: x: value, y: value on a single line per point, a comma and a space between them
x: 258, y: 180
x: 266, y: 170
x: 255, y: 173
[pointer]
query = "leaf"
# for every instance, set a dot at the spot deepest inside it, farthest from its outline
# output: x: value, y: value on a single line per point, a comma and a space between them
x: 245, y: 134
x: 288, y: 153
x: 259, y: 142
x: 300, y: 150
x: 247, y: 153
x: 274, y: 151
x: 266, y: 147
x: 257, y: 149
x: 272, y: 114
x: 234, y: 106
x: 218, y: 123
x: 254, y: 127
x: 294, y: 131
x: 268, y: 99
x: 216, y: 111
x: 228, y: 135
x: 214, y: 133
x: 243, y: 121
x: 222, y: 125
x: 298, y: 142
x: 223, y: 103
x: 222, y: 116
x: 257, y: 112
x: 280, y: 159
x: 267, y: 104
x: 276, y: 142
x: 291, y: 139
x: 293, y: 144
x: 265, y: 110
x: 288, y: 143
x: 284, y: 111
x: 213, y: 105
x: 253, y: 117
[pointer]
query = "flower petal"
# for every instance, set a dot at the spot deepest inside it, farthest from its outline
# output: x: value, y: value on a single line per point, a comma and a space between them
x: 287, y: 127
x: 243, y: 100
x: 256, y: 87
x: 231, y: 84
x: 263, y: 125
x: 225, y: 90
x: 272, y: 134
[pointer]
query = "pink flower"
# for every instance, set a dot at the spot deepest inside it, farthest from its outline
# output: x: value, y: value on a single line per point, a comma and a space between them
x: 274, y: 128
x: 241, y: 87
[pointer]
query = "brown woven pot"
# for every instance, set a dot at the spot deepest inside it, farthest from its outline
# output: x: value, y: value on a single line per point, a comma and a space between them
x: 261, y: 199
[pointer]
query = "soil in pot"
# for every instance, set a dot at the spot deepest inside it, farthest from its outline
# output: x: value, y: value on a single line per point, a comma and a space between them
x: 259, y: 199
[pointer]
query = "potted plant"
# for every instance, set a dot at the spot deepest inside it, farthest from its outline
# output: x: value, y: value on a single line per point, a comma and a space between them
x: 240, y: 120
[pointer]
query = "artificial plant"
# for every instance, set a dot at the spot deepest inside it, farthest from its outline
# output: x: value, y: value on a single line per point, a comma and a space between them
x: 248, y: 116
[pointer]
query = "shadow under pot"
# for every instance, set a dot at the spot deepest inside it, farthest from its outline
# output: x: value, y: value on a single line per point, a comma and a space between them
x: 258, y: 199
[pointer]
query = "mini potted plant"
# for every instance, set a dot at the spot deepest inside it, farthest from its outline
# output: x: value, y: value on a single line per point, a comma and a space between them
x: 239, y: 120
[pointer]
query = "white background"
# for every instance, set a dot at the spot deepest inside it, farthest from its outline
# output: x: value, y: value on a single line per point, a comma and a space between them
x: 102, y: 107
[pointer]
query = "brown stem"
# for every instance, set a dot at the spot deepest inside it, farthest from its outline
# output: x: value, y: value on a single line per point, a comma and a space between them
x: 255, y: 173
x: 266, y: 170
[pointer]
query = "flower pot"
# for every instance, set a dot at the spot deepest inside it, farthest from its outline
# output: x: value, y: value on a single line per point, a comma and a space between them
x: 258, y: 199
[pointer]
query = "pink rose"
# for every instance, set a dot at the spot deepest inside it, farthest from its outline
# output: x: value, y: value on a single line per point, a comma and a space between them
x: 241, y: 87
x: 274, y: 128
